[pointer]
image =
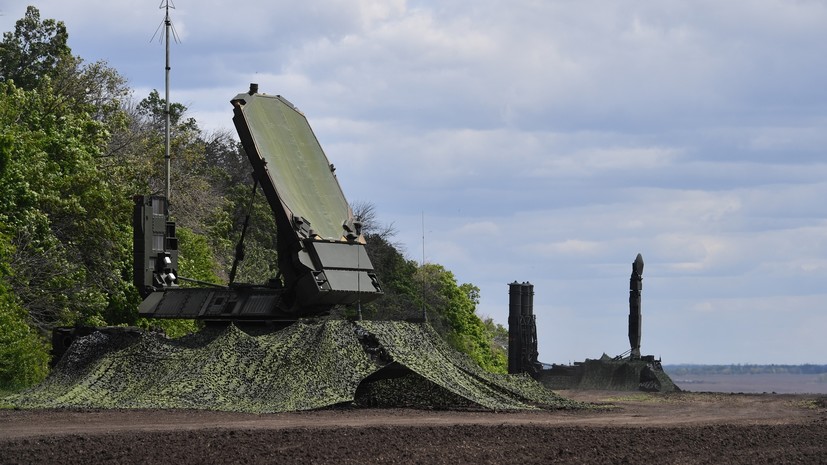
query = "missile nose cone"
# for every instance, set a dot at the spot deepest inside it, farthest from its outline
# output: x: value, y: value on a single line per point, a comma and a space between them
x: 637, y: 266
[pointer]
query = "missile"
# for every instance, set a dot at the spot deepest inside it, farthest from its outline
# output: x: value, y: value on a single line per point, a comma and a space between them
x: 635, y: 288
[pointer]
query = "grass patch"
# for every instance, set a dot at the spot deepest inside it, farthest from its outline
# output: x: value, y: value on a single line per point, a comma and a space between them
x: 806, y: 404
x: 811, y: 404
x: 5, y: 392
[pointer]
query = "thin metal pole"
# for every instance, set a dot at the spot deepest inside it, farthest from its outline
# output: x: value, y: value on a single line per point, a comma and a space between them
x: 424, y: 312
x: 168, y: 25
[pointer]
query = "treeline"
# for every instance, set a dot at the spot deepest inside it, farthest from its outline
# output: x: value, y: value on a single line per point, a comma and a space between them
x: 807, y: 369
x: 76, y: 146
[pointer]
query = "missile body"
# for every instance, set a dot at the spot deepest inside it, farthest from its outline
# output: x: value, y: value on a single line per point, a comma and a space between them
x: 635, y: 288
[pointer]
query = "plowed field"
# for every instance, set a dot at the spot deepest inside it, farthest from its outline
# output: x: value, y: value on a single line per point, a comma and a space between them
x: 623, y: 428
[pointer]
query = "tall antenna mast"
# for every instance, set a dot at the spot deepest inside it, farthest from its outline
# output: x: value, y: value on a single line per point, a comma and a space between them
x: 167, y: 27
x: 424, y: 312
x: 166, y: 5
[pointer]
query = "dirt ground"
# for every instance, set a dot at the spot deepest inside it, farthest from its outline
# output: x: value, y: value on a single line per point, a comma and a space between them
x: 622, y: 428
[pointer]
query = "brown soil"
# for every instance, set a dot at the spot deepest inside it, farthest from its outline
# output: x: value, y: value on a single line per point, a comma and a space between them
x: 624, y: 428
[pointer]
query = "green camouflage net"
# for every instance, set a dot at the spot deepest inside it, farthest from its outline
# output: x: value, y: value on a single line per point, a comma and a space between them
x: 308, y: 365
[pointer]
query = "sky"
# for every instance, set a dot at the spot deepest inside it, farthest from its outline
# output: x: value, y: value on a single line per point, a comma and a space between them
x: 547, y: 141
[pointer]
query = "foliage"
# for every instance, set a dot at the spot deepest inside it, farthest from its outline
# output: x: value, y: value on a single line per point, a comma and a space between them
x: 227, y: 160
x: 35, y: 49
x: 403, y: 296
x: 260, y: 257
x: 23, y: 355
x: 153, y: 110
x: 408, y: 287
x: 195, y: 258
x: 24, y: 358
x: 451, y: 310
x: 499, y: 339
x: 69, y: 228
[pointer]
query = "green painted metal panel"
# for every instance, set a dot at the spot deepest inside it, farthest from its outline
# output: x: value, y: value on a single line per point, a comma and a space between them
x: 296, y: 165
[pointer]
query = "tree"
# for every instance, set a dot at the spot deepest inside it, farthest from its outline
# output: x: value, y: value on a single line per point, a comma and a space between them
x: 227, y: 160
x: 408, y: 287
x: 23, y: 354
x: 67, y: 221
x: 451, y: 309
x: 94, y: 88
x: 260, y: 262
x: 35, y: 49
x: 153, y: 109
x: 366, y: 213
x: 195, y: 258
x: 499, y: 338
x: 402, y: 296
x: 68, y: 225
x: 24, y: 358
x: 402, y: 293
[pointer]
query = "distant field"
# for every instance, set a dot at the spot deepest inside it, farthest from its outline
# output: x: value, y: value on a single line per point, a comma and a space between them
x: 780, y: 383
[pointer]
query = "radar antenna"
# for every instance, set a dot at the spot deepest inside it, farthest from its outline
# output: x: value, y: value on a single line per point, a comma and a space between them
x: 168, y: 27
x: 422, y: 267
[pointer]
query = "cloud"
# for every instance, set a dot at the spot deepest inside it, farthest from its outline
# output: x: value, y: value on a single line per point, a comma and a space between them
x: 606, y: 160
x: 577, y: 247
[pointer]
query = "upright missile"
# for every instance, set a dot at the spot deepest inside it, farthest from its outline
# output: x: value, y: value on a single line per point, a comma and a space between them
x: 635, y: 288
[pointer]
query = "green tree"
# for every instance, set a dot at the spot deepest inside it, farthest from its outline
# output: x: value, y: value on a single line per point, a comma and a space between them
x: 408, y: 287
x: 68, y: 222
x: 195, y: 257
x: 260, y: 262
x: 227, y: 160
x: 23, y: 354
x: 69, y: 227
x: 499, y: 340
x: 136, y: 152
x: 402, y: 293
x: 24, y: 357
x: 451, y: 309
x: 397, y: 275
x: 153, y: 109
x: 35, y: 49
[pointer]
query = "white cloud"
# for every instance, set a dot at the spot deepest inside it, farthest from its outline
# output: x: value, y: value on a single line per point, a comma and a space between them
x: 600, y: 160
x: 576, y: 247
x: 480, y: 228
x: 693, y: 253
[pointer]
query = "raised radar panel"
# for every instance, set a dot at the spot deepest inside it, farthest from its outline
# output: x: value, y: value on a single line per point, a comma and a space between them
x: 321, y: 250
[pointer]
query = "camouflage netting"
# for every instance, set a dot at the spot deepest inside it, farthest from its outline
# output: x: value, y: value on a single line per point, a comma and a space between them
x: 609, y: 374
x: 309, y: 365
